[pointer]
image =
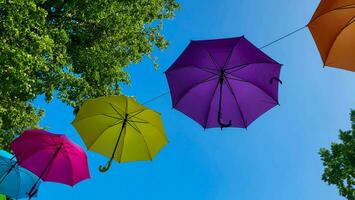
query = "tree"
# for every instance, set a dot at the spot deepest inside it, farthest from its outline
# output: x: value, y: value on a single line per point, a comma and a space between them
x: 339, y: 162
x: 72, y: 50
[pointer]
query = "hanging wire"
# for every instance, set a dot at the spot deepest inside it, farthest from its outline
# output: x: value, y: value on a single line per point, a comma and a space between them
x: 155, y: 98
x: 283, y: 37
x: 271, y: 43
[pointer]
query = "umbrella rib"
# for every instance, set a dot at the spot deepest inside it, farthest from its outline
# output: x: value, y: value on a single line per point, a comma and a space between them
x: 209, y: 109
x: 116, y: 110
x: 124, y: 137
x: 19, y: 182
x: 106, y: 115
x: 48, y: 167
x: 103, y: 133
x: 158, y: 130
x: 140, y: 119
x: 135, y: 127
x: 134, y: 115
x: 30, y: 175
x: 74, y: 153
x: 335, y: 9
x: 211, y: 57
x: 126, y: 109
x: 71, y: 167
x: 242, y: 80
x: 145, y: 122
x: 34, y: 179
x: 242, y: 66
x: 211, y: 78
x: 230, y: 54
x: 212, y: 71
x: 236, y: 100
x: 137, y: 112
x: 350, y: 22
x: 70, y: 152
x: 146, y: 145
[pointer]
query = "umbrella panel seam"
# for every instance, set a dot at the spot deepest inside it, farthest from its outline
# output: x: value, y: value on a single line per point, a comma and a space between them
x: 350, y: 22
x: 236, y: 100
x: 205, y: 69
x: 145, y: 142
x: 334, y: 10
x: 211, y: 78
x: 103, y: 132
x: 251, y: 83
x: 210, y: 105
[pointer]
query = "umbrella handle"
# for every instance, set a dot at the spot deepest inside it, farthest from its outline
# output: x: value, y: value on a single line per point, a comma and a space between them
x: 275, y: 78
x: 106, y: 167
x: 223, y: 125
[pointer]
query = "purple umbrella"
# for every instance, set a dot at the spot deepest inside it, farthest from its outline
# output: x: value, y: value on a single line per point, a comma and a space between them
x: 224, y: 80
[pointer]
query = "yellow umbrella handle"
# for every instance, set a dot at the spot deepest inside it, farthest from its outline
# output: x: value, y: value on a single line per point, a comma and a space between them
x: 106, y: 167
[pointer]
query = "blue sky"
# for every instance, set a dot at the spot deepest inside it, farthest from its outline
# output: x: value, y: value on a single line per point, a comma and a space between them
x: 275, y: 159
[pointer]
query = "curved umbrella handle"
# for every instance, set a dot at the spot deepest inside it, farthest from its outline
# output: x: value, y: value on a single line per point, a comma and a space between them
x: 275, y: 78
x: 223, y: 125
x: 106, y: 167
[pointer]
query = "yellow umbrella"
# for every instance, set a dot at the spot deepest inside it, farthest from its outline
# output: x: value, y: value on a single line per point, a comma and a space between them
x: 120, y: 128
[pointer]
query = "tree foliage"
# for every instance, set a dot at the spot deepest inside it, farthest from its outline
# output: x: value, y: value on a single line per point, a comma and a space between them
x: 75, y: 49
x: 339, y: 162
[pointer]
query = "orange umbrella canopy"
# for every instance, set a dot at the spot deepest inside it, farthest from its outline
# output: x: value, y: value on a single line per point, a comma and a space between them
x: 333, y: 30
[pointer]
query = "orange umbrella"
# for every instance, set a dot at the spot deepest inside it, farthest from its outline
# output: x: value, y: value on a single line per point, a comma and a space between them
x: 333, y: 30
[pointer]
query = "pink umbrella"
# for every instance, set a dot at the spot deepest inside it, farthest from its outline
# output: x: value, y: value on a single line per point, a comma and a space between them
x: 52, y: 157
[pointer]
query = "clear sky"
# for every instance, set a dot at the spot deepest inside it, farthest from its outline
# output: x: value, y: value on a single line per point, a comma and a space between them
x: 275, y: 159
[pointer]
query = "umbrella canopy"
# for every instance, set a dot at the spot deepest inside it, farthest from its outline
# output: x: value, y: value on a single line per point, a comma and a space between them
x: 15, y: 181
x: 224, y: 82
x: 120, y: 128
x: 333, y: 30
x: 52, y: 157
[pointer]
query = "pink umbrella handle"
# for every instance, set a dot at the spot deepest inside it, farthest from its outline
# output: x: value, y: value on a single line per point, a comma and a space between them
x: 108, y: 165
x: 33, y: 190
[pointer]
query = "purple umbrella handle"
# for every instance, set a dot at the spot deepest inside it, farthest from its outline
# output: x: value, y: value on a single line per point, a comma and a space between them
x: 221, y: 80
x: 275, y: 78
x: 223, y: 125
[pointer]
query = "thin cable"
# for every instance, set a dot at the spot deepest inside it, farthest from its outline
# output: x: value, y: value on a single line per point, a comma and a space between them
x: 155, y: 98
x: 283, y: 37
